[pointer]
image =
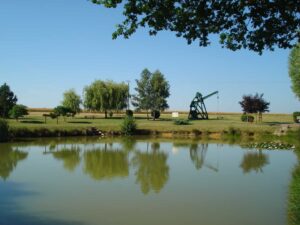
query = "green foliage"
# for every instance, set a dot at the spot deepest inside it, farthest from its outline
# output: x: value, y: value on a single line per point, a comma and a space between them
x: 128, y: 126
x: 129, y: 112
x: 295, y: 115
x: 294, y: 70
x: 294, y: 193
x: 62, y: 111
x: 7, y: 100
x: 234, y: 131
x: 253, y: 25
x: 181, y: 122
x: 4, y: 130
x: 18, y: 111
x: 155, y: 114
x: 72, y: 101
x: 106, y: 95
x: 247, y: 118
x: 152, y: 91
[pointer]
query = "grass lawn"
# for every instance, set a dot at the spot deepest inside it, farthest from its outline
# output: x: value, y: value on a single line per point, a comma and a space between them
x: 270, y: 123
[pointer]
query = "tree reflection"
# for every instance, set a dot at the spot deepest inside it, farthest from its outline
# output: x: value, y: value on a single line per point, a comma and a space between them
x: 9, y: 159
x: 152, y: 170
x: 70, y: 157
x: 106, y: 164
x: 254, y: 161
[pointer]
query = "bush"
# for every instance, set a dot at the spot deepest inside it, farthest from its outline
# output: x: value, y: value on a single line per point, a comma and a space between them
x: 129, y: 112
x: 247, y: 118
x: 181, y: 122
x: 234, y: 131
x: 128, y: 126
x: 155, y: 114
x: 4, y: 130
x: 295, y: 115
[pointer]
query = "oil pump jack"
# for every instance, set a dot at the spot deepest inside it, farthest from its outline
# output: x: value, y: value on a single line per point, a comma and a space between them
x: 197, y: 107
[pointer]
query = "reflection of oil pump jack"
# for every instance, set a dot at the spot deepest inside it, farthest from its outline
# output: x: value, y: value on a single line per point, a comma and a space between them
x: 198, y: 155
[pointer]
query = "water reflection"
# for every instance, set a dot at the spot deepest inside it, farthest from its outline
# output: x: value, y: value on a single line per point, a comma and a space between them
x: 102, y: 164
x: 254, y: 161
x: 198, y: 154
x: 9, y: 159
x: 70, y: 157
x: 152, y: 171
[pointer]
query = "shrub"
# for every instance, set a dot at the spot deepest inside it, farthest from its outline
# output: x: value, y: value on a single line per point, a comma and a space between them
x: 247, y: 118
x: 4, y: 130
x: 295, y: 115
x: 128, y: 126
x: 181, y: 122
x: 233, y: 131
x: 155, y: 114
x: 129, y: 112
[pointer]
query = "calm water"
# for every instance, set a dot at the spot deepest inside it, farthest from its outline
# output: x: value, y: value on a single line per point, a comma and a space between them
x: 130, y: 182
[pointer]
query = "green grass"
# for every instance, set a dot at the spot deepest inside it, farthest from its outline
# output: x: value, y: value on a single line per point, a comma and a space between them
x: 165, y: 124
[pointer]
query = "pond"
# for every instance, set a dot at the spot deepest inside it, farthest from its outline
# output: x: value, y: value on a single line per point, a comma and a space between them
x: 142, y: 181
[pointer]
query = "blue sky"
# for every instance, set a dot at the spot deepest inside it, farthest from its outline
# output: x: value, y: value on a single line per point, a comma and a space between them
x: 47, y: 47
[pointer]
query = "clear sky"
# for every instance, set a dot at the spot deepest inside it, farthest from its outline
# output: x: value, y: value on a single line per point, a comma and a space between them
x: 47, y: 47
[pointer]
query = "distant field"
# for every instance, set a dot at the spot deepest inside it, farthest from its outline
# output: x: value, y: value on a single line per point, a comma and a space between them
x: 218, y: 122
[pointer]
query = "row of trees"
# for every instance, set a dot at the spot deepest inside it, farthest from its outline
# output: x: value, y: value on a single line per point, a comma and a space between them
x: 152, y: 92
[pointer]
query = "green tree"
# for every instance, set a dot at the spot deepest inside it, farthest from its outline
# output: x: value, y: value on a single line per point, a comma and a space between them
x: 152, y: 92
x: 105, y: 95
x: 18, y: 111
x: 72, y: 101
x: 4, y: 130
x: 294, y: 70
x: 253, y: 25
x: 7, y: 100
x: 61, y: 111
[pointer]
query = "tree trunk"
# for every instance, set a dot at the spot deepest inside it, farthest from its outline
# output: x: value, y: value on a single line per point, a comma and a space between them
x: 147, y: 115
x: 105, y: 112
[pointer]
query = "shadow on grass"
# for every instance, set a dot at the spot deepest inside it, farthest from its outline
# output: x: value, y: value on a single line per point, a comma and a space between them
x: 82, y: 122
x: 32, y: 121
x: 276, y: 123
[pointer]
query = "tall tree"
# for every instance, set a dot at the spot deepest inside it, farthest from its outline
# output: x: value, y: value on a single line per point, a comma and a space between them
x: 152, y: 91
x: 142, y: 101
x: 253, y: 25
x: 105, y: 96
x: 7, y: 100
x: 294, y: 70
x: 72, y: 101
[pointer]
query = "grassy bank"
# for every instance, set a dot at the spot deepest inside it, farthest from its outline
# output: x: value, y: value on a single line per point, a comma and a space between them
x: 294, y: 187
x: 34, y: 125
